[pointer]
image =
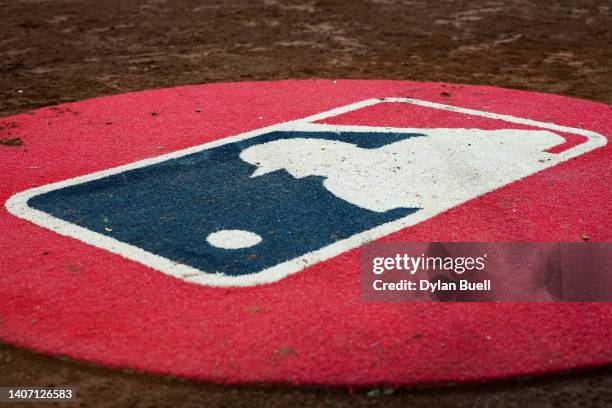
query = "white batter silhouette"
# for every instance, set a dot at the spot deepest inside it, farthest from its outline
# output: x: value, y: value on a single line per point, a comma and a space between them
x: 444, y: 166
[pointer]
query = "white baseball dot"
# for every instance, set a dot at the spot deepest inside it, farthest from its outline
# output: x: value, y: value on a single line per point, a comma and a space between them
x: 233, y: 239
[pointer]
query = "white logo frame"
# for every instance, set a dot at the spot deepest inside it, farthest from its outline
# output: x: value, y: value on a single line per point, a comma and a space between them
x: 17, y: 205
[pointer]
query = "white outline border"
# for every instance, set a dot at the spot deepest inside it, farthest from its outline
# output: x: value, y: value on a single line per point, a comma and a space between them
x: 17, y: 205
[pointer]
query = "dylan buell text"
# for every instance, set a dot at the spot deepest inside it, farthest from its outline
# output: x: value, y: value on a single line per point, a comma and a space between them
x: 432, y: 286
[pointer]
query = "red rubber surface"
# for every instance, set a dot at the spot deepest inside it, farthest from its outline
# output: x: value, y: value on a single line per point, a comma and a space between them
x: 62, y: 297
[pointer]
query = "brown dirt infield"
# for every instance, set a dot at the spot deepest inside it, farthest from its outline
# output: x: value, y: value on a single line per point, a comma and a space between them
x: 57, y: 51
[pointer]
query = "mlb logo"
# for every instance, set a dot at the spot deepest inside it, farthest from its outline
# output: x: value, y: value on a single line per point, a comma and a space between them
x: 256, y: 207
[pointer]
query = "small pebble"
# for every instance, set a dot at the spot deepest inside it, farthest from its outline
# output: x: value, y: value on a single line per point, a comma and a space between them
x: 373, y: 393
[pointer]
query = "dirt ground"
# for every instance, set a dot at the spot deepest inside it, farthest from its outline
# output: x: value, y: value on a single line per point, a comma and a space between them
x: 54, y: 51
x: 57, y: 51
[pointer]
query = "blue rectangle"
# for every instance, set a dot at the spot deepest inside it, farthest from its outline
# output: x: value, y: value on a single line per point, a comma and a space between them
x: 170, y: 208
